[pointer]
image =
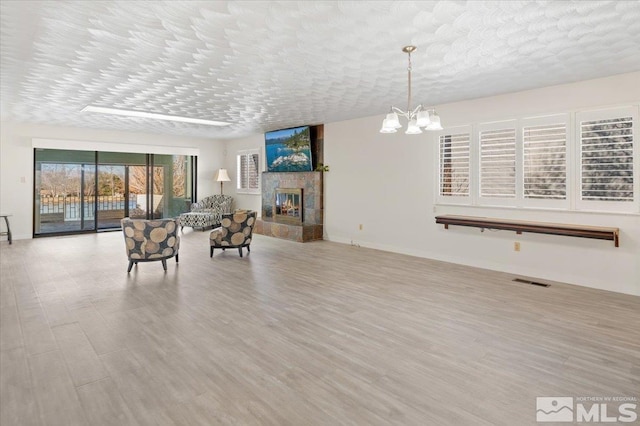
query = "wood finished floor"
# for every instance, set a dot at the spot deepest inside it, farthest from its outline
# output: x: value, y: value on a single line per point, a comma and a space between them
x: 294, y: 334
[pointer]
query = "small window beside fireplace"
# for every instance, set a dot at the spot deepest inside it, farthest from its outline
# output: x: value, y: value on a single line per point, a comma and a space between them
x: 288, y: 205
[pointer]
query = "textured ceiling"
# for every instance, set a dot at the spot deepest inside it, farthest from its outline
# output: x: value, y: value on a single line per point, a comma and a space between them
x: 271, y: 65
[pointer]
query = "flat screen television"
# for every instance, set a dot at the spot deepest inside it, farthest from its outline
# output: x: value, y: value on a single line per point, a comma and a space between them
x: 289, y: 150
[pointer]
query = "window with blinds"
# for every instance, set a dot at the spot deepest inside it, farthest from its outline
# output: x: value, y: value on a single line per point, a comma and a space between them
x: 576, y: 161
x: 248, y: 172
x: 454, y: 165
x: 606, y: 159
x: 545, y: 161
x: 498, y: 163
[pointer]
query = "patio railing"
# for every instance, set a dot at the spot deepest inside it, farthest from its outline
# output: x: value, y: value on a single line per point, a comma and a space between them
x: 69, y: 207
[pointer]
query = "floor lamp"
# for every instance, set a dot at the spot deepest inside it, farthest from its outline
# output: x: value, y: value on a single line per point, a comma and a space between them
x: 222, y: 176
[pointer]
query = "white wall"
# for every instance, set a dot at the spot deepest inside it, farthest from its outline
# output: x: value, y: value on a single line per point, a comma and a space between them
x: 387, y: 184
x: 243, y: 201
x: 16, y: 163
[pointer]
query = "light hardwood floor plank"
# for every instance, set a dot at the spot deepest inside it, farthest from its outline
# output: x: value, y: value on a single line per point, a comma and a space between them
x: 36, y: 331
x: 10, y: 329
x: 103, y: 339
x: 316, y: 334
x: 103, y: 404
x: 82, y: 361
x: 16, y: 394
x: 146, y: 397
x: 54, y: 392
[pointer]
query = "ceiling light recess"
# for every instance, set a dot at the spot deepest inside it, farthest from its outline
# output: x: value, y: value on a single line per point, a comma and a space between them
x: 417, y: 118
x: 152, y: 115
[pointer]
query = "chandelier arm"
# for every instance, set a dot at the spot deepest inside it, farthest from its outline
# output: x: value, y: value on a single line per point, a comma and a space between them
x: 400, y: 112
x: 416, y: 111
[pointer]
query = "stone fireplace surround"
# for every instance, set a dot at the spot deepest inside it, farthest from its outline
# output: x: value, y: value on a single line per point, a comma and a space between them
x: 311, y: 228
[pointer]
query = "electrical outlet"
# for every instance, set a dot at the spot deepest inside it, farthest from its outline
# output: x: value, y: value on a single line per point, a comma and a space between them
x: 360, y: 227
x: 516, y: 246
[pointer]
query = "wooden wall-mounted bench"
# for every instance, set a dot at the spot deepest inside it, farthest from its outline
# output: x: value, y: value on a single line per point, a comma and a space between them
x: 519, y: 226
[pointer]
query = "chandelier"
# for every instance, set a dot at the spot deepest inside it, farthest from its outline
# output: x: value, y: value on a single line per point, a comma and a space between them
x: 426, y: 118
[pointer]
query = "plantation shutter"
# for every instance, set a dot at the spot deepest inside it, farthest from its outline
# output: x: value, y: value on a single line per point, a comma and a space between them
x: 454, y: 165
x: 242, y: 168
x: 606, y: 159
x: 498, y: 163
x: 248, y: 172
x: 252, y: 171
x: 545, y: 161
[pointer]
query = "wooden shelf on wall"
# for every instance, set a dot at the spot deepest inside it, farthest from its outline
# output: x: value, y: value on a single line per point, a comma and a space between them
x: 583, y: 231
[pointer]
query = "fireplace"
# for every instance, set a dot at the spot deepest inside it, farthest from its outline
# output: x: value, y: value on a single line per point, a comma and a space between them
x: 288, y: 205
x: 301, y: 224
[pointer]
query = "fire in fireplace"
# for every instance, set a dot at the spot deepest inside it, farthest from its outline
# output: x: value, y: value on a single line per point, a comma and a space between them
x: 288, y: 205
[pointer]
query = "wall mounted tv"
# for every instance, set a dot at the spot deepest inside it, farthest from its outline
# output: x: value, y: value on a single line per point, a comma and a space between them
x: 289, y: 150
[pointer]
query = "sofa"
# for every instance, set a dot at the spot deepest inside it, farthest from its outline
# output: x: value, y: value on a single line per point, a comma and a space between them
x: 207, y: 212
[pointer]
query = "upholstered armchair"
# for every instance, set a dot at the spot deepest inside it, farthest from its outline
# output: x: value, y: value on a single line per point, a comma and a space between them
x: 235, y: 231
x: 207, y: 212
x: 150, y: 240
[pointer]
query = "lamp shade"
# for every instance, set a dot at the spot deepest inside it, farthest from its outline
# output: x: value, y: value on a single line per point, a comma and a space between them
x: 435, y: 122
x: 386, y: 127
x: 422, y: 119
x: 412, y: 128
x: 222, y: 176
x: 393, y: 121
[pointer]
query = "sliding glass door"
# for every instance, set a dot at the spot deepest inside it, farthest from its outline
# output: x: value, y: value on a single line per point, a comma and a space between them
x: 137, y: 183
x: 112, y: 196
x: 64, y: 191
x: 173, y: 184
x: 87, y: 191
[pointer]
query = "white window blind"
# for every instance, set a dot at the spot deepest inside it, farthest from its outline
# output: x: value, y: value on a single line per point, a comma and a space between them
x: 248, y: 172
x: 606, y: 159
x: 498, y: 163
x: 545, y: 161
x: 454, y: 165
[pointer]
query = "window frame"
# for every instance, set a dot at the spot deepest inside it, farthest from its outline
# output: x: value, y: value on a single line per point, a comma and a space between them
x: 239, y: 189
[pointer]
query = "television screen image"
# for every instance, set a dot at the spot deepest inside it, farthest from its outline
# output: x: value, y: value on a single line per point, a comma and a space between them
x: 289, y: 150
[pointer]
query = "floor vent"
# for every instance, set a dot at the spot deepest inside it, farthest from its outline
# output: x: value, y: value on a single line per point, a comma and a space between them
x: 520, y: 280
